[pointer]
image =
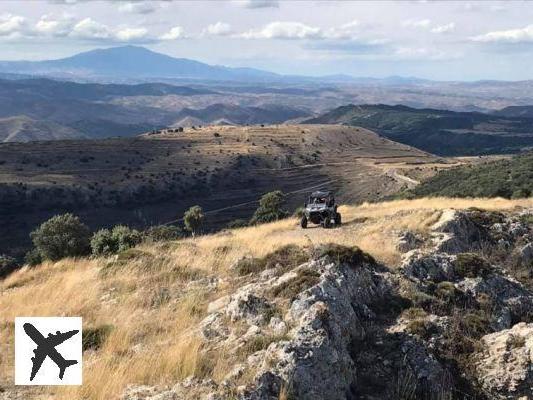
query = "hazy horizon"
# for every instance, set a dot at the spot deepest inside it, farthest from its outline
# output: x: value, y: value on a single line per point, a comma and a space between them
x: 431, y: 40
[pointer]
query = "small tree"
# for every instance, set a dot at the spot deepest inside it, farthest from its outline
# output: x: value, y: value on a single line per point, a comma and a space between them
x: 106, y: 242
x: 61, y: 236
x: 194, y: 219
x: 270, y: 208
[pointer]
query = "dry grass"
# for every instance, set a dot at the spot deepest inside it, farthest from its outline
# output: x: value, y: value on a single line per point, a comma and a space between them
x: 152, y: 308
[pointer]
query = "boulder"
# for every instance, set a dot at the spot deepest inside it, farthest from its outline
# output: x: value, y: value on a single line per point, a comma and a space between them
x: 505, y: 365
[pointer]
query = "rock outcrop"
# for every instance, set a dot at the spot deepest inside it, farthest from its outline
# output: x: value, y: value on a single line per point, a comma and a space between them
x: 505, y: 365
x: 446, y: 324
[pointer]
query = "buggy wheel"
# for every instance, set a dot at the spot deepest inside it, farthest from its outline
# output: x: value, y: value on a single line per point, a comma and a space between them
x: 303, y: 222
x: 338, y: 220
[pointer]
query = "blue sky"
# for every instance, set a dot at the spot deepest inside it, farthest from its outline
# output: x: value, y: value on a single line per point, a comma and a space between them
x: 451, y: 40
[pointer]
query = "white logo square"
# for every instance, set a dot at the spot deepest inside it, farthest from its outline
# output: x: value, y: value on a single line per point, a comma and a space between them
x: 48, y: 351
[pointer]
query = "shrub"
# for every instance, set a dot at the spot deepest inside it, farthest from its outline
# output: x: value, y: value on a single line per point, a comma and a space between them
x: 287, y: 257
x: 194, y: 219
x: 305, y: 279
x: 7, y: 265
x: 93, y: 338
x: 343, y: 254
x: 237, y: 223
x: 299, y: 212
x: 421, y: 327
x: 33, y: 258
x: 61, y: 236
x: 162, y: 233
x: 270, y: 208
x: 106, y: 242
x: 470, y: 265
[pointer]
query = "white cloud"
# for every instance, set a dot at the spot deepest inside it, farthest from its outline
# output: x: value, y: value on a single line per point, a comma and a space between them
x: 299, y: 30
x: 258, y: 3
x: 50, y: 25
x: 218, y: 29
x: 284, y: 30
x: 138, y: 7
x: 447, y: 28
x: 90, y: 29
x: 131, y: 34
x: 345, y: 31
x: 417, y: 23
x: 521, y: 35
x: 175, y: 33
x: 12, y: 25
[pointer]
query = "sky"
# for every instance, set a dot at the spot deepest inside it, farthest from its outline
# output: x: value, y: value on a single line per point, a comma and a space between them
x: 448, y: 40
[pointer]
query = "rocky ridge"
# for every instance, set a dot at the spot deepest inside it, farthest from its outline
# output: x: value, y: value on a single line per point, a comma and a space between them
x: 453, y: 321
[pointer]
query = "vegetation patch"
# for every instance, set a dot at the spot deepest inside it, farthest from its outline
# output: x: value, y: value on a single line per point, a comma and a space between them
x: 94, y: 337
x: 305, y: 279
x: 512, y: 178
x: 344, y: 254
x: 286, y: 258
x: 471, y: 265
x: 260, y: 342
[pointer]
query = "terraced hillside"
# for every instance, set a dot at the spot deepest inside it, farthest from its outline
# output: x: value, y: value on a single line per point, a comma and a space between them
x: 153, y: 178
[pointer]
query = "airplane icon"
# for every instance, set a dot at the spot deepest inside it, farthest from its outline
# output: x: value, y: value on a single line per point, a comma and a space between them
x: 46, y: 347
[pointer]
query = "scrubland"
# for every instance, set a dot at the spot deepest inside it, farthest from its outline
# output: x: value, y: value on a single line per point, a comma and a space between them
x: 141, y: 308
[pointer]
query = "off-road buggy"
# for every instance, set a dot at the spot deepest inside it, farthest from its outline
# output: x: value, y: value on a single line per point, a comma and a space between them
x: 321, y: 209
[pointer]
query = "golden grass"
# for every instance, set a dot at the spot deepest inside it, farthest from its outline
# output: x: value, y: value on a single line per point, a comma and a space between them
x: 155, y: 312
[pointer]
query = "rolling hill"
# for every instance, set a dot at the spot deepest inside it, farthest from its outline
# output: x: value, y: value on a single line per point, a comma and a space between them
x: 153, y: 178
x: 438, y: 131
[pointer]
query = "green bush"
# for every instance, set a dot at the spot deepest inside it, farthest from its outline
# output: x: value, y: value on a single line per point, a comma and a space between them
x: 106, y: 242
x: 61, y: 236
x: 194, y: 219
x: 33, y: 258
x: 163, y: 233
x: 270, y: 208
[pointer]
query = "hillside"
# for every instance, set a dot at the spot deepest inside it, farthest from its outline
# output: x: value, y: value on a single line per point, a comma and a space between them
x: 516, y: 111
x: 153, y: 178
x: 438, y: 131
x: 24, y: 129
x: 274, y: 311
x: 509, y: 178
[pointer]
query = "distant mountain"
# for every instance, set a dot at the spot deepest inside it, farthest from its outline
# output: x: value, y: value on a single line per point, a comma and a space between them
x: 131, y: 61
x: 438, y: 131
x: 516, y: 111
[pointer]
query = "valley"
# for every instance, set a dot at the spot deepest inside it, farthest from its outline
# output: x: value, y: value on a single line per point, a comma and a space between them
x: 154, y: 178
